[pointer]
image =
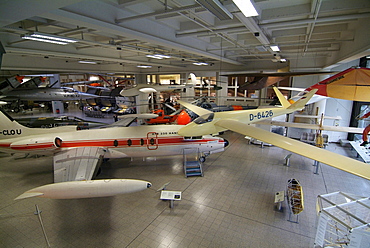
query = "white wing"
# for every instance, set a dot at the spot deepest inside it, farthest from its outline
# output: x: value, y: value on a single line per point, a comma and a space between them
x: 77, y: 164
x: 312, y: 126
x: 333, y: 159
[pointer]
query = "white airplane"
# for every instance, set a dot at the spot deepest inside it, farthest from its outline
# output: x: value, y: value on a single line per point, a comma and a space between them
x: 148, y: 88
x: 77, y: 154
x: 238, y: 121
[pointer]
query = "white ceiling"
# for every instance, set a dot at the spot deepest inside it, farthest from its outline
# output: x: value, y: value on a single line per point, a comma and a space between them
x: 312, y: 35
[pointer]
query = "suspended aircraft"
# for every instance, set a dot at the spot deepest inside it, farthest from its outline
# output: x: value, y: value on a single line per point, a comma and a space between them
x: 351, y: 84
x: 148, y: 88
x: 47, y: 94
x: 78, y: 154
x: 14, y: 89
x: 49, y: 122
x: 238, y: 121
x: 264, y: 79
x: 94, y: 83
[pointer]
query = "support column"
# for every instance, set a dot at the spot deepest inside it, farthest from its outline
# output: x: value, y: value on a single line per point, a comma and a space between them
x: 189, y: 92
x: 57, y: 106
x: 222, y: 93
x: 142, y: 99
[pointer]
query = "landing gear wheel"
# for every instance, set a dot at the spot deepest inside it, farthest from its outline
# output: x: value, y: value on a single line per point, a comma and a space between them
x: 16, y: 110
x: 202, y: 159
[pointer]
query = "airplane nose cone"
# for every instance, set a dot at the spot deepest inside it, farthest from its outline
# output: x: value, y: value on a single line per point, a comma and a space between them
x: 149, y: 185
x: 226, y: 142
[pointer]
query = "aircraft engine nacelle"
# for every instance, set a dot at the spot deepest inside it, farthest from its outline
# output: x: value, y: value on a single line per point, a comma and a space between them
x: 36, y: 144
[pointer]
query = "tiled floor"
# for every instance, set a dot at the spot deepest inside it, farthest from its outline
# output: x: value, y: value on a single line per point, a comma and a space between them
x: 231, y: 206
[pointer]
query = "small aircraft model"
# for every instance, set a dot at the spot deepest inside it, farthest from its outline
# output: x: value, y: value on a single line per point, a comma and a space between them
x: 209, y: 122
x: 294, y: 193
x: 78, y: 154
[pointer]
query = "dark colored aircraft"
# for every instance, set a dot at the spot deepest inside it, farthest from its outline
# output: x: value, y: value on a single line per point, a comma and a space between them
x: 49, y: 122
x: 260, y: 80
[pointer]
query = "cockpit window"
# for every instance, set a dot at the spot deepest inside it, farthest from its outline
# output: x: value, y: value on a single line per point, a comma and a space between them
x: 67, y: 89
x: 204, y: 118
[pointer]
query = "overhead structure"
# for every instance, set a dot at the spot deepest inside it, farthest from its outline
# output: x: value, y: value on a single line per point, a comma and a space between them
x: 119, y: 36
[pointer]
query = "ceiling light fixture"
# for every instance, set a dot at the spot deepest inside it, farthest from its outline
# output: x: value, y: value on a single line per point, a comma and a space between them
x: 246, y: 7
x: 158, y: 56
x: 144, y: 66
x: 49, y: 38
x: 200, y: 63
x: 42, y: 40
x: 275, y: 48
x: 87, y: 62
x: 216, y: 8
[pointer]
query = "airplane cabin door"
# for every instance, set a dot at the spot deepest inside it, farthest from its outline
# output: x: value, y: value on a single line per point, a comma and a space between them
x: 152, y: 140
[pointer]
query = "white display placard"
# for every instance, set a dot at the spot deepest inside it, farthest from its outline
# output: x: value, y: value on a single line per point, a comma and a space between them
x: 170, y: 195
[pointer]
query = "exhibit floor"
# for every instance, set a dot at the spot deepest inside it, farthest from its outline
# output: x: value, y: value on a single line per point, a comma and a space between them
x: 231, y: 206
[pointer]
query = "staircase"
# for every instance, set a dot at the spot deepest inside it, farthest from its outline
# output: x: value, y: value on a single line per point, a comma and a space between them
x: 192, y: 165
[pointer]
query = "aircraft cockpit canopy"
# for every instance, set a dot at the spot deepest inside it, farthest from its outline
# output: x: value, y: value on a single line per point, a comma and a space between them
x: 71, y: 90
x: 204, y: 118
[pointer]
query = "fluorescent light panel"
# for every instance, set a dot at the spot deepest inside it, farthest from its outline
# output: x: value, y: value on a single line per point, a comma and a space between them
x: 275, y: 48
x: 246, y: 7
x: 158, y: 56
x: 87, y: 62
x: 44, y: 40
x: 200, y: 63
x: 49, y: 38
x: 144, y: 66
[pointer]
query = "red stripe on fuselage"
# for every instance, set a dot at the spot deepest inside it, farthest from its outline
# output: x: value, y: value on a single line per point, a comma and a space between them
x: 136, y: 142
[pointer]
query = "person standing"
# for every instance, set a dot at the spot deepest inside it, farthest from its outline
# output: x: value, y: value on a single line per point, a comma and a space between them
x: 366, y: 130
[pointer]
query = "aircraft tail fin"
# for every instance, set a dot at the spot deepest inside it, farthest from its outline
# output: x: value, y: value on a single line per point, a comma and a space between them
x: 284, y: 102
x: 10, y: 128
x: 192, y: 80
x: 303, y: 100
x: 7, y: 122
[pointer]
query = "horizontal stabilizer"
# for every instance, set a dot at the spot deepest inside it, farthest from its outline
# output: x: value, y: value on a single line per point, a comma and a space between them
x: 303, y: 101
